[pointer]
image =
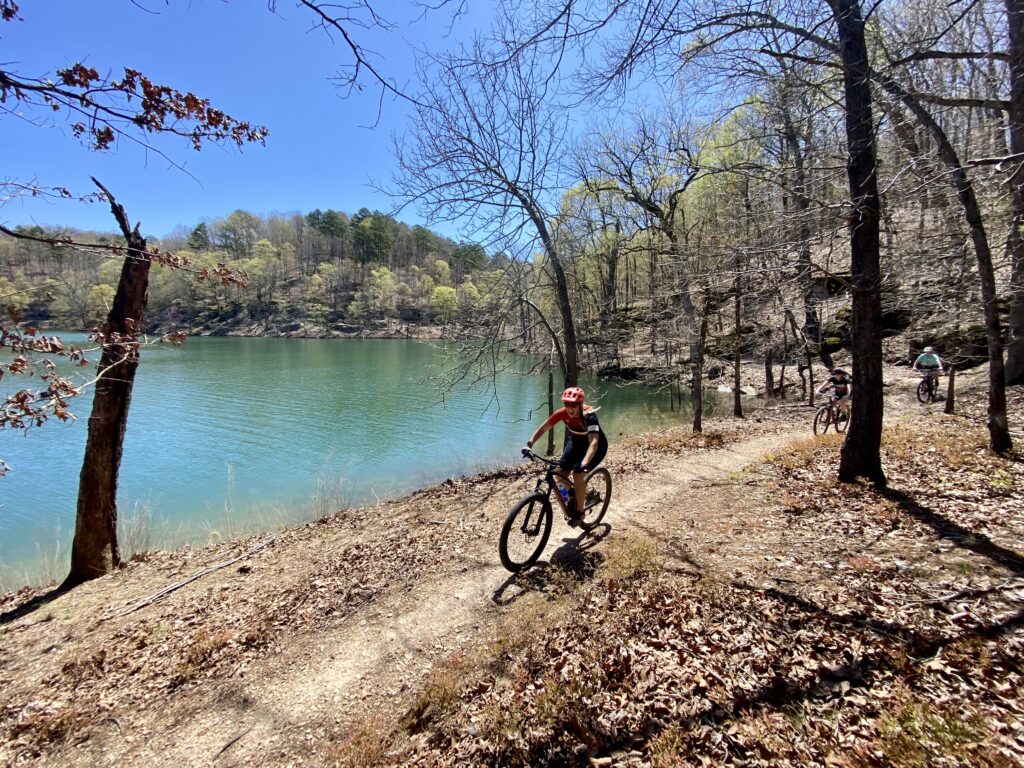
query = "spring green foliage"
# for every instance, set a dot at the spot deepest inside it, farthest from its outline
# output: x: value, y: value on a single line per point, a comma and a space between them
x: 324, y: 268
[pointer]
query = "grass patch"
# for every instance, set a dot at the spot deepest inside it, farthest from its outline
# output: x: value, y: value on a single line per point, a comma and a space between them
x: 632, y: 558
x: 1001, y: 483
x: 441, y: 694
x: 367, y: 744
x: 919, y: 734
x: 41, y: 729
x: 668, y: 749
x: 804, y: 453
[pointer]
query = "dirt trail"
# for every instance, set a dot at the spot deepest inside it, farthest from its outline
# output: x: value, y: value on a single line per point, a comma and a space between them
x: 286, y: 707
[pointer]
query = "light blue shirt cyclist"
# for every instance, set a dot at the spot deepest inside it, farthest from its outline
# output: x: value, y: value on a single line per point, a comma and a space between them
x: 928, y: 360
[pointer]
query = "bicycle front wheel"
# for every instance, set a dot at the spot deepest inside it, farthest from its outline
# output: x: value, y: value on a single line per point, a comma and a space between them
x: 822, y: 419
x: 599, y: 494
x: 922, y: 391
x: 525, y: 532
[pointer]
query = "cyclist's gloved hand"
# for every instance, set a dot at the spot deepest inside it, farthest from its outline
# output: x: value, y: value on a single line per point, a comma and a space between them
x: 526, y: 451
x: 580, y: 468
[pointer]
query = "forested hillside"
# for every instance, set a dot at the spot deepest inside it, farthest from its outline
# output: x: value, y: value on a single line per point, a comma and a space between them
x: 306, y: 274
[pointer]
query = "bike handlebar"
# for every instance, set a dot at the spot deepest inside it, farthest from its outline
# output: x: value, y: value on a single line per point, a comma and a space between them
x: 528, y: 454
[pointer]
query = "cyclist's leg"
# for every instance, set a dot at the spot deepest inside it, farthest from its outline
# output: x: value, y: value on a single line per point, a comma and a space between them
x: 570, y: 457
x: 580, y: 478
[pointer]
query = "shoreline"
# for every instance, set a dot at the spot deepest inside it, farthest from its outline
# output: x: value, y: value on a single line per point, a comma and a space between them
x: 47, y: 564
x: 47, y: 567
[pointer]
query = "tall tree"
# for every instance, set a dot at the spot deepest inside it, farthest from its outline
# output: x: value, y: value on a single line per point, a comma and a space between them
x: 861, y: 453
x: 100, y: 110
x: 94, y: 549
x: 1015, y: 178
x: 487, y: 148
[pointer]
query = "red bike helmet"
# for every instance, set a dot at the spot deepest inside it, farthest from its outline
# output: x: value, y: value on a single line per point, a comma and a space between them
x: 572, y: 396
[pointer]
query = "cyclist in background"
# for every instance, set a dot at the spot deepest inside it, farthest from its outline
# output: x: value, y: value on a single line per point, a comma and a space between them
x: 585, y: 442
x: 930, y: 361
x: 841, y: 385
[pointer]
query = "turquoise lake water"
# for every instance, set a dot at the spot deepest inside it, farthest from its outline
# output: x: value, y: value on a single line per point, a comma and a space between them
x: 230, y: 435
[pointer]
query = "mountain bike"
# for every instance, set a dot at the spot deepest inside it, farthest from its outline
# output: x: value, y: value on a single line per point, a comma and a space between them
x: 928, y: 388
x: 528, y: 525
x: 830, y: 415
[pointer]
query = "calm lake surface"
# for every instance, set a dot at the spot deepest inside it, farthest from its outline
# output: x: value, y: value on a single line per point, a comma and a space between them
x: 230, y: 435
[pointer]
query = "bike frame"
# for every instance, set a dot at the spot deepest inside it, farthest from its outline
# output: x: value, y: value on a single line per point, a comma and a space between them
x: 833, y: 406
x: 549, y: 478
x: 932, y: 377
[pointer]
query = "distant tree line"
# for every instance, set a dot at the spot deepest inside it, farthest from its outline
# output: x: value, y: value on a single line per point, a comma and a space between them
x: 324, y: 268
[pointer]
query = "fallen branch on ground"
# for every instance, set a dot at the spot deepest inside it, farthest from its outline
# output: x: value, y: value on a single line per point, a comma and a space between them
x: 160, y: 595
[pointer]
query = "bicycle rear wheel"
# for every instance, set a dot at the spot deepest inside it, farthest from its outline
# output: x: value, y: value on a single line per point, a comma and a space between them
x: 525, y: 532
x: 822, y: 419
x: 599, y: 494
x: 922, y: 391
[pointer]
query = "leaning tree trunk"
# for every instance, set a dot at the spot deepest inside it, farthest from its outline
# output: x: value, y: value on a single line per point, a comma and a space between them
x: 94, y: 551
x: 998, y: 426
x: 570, y: 348
x: 861, y: 455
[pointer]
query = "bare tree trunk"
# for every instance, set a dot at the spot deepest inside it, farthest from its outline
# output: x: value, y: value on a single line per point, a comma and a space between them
x: 570, y: 347
x: 94, y: 550
x: 698, y: 374
x: 737, y: 403
x: 812, y: 324
x: 810, y: 378
x: 861, y: 454
x: 1015, y: 241
x: 951, y: 392
x: 550, y: 450
x: 610, y: 303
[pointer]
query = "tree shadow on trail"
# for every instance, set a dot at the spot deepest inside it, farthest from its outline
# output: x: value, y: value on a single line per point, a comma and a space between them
x: 962, y: 537
x: 35, y: 603
x: 575, y: 557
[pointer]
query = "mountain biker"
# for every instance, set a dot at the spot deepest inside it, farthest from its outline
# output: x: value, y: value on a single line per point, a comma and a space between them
x: 841, y: 384
x: 930, y: 361
x: 585, y: 442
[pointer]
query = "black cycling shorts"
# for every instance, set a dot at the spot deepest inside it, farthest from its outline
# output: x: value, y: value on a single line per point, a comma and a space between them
x: 575, y: 450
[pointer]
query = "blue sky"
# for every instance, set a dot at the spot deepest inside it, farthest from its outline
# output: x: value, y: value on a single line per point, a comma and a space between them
x: 268, y: 69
